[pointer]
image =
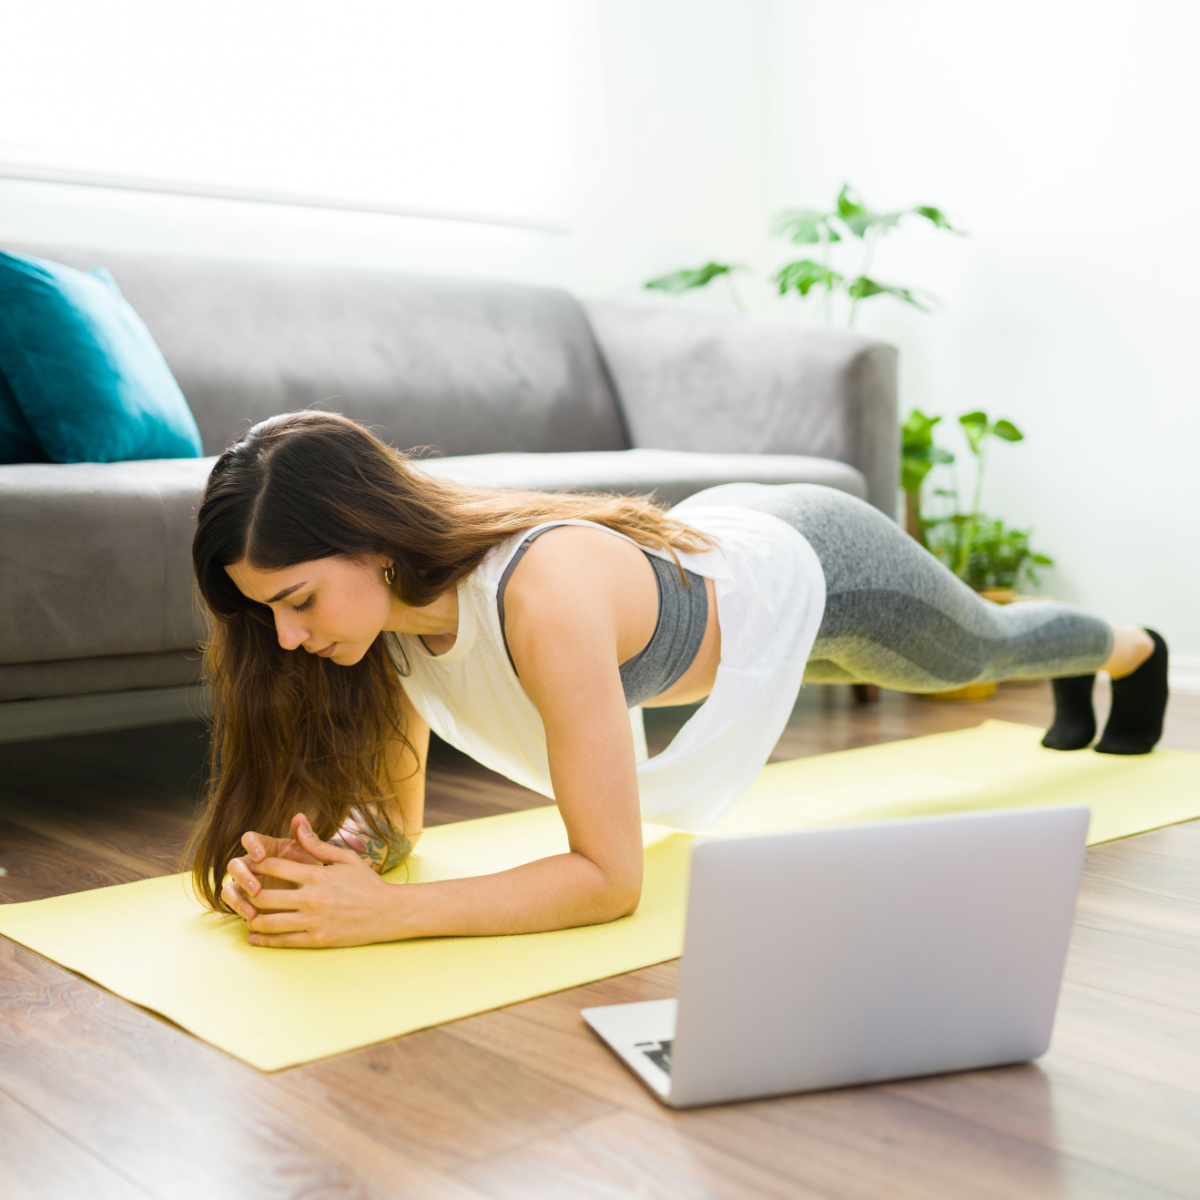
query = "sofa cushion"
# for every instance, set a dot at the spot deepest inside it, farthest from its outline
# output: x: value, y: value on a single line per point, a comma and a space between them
x: 671, y: 474
x: 95, y: 558
x: 464, y: 365
x: 106, y: 673
x: 85, y: 370
x: 723, y: 382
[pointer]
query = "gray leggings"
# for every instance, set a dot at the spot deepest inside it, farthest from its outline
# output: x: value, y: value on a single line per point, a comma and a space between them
x: 895, y: 616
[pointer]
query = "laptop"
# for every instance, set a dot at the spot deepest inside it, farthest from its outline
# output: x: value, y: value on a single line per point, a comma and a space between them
x: 858, y: 953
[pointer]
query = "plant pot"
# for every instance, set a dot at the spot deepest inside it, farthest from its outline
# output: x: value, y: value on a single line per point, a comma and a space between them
x: 1000, y: 595
x: 1009, y: 596
x: 973, y: 691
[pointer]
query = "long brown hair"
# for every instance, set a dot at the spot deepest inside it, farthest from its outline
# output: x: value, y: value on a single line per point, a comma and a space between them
x: 295, y: 732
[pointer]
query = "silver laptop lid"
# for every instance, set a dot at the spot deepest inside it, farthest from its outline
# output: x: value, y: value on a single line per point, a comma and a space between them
x: 873, y: 951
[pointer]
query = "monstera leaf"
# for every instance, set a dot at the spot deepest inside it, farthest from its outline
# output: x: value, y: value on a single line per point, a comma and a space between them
x: 918, y: 453
x: 805, y: 226
x: 805, y: 275
x: 685, y: 280
x: 862, y: 288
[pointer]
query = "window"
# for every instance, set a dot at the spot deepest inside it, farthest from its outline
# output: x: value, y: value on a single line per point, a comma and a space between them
x: 453, y: 108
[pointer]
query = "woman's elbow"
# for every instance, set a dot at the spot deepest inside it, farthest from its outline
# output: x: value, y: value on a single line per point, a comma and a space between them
x: 629, y: 903
x: 621, y: 898
x: 610, y: 890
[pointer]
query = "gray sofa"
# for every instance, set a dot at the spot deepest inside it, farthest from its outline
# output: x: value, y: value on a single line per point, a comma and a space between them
x: 514, y: 385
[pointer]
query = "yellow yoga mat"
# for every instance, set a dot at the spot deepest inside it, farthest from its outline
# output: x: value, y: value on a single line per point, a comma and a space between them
x: 152, y: 943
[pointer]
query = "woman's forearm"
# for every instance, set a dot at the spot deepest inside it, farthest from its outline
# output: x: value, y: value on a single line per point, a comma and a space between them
x: 550, y: 893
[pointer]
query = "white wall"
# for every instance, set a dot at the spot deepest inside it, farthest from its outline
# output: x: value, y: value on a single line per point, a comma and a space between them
x: 1062, y: 134
x: 681, y: 160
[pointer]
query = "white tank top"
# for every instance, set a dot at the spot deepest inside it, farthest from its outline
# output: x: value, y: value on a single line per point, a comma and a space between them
x: 770, y: 594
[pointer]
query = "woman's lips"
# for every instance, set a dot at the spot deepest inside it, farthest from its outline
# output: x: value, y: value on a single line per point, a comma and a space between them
x: 327, y: 651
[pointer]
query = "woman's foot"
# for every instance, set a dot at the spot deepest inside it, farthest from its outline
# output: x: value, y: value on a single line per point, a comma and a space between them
x: 1132, y: 645
x: 1074, y: 721
x: 1139, y: 702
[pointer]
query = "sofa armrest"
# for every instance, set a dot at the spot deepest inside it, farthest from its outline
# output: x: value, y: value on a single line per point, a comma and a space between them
x: 718, y: 383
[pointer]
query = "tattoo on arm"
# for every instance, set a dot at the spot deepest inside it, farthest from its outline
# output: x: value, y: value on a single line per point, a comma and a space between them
x: 378, y: 854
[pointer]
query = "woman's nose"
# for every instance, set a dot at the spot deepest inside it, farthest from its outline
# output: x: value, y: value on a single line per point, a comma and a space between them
x: 291, y: 632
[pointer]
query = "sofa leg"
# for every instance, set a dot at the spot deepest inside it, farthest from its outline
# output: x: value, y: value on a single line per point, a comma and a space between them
x: 866, y: 693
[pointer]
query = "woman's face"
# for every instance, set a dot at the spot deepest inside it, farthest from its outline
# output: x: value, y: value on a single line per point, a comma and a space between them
x: 335, y: 607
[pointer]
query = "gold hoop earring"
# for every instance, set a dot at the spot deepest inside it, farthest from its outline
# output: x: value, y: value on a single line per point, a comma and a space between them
x: 389, y: 575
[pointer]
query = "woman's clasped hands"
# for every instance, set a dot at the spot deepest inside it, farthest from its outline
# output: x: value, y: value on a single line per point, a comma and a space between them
x: 303, y: 892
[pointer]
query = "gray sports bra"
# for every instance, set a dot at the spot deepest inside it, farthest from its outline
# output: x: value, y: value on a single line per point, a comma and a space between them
x: 682, y: 616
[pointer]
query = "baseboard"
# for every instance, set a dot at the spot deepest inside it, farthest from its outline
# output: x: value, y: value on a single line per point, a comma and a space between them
x: 1184, y: 675
x: 101, y: 712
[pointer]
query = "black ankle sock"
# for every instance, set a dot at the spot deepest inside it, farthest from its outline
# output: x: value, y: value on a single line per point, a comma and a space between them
x: 1139, y: 701
x: 1074, y: 721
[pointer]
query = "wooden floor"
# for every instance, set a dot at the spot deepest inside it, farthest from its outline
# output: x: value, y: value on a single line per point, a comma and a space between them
x: 100, y: 1098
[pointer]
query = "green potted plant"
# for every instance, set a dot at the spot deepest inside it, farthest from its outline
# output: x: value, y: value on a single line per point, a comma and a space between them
x: 999, y: 561
x: 918, y: 456
x: 849, y: 223
x: 982, y: 551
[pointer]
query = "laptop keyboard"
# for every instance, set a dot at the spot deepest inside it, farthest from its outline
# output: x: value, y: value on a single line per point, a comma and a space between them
x: 659, y: 1053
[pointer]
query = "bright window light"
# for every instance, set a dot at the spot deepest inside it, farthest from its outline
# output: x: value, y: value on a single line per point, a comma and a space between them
x: 457, y: 108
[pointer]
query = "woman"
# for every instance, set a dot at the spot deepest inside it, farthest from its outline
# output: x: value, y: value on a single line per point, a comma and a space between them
x: 523, y: 627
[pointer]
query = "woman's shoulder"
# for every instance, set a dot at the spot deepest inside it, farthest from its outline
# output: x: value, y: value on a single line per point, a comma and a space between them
x: 505, y: 556
x: 571, y: 561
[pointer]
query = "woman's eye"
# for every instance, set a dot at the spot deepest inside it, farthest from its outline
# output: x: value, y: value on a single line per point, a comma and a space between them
x: 302, y: 607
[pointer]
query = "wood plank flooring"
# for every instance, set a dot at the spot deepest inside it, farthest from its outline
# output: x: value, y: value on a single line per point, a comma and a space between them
x: 100, y: 1098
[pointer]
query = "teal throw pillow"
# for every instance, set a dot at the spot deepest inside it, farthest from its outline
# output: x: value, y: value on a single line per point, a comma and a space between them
x: 87, y: 377
x: 18, y: 442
